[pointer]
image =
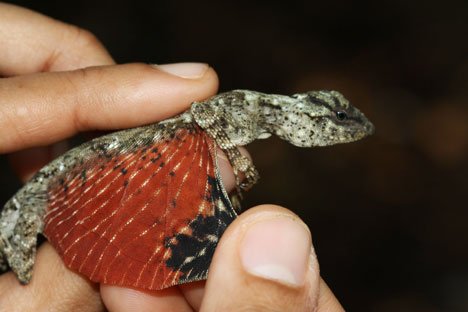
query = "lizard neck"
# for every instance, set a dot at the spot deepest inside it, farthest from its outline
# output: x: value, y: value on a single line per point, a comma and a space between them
x: 244, y: 115
x: 255, y: 115
x: 274, y: 111
x: 284, y: 117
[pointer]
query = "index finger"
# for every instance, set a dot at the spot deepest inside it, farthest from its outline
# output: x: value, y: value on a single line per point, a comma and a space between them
x: 31, y: 42
x: 40, y: 109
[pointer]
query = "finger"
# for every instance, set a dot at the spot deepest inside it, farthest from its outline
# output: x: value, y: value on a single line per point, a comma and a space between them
x: 32, y: 42
x: 265, y: 262
x: 44, y: 108
x: 193, y: 293
x: 119, y: 299
x: 125, y: 299
x: 52, y: 288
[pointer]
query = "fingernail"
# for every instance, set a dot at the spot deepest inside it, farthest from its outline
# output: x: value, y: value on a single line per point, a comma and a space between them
x: 185, y: 70
x: 277, y: 249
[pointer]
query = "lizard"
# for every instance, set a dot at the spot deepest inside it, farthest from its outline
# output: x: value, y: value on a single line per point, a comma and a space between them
x: 145, y: 207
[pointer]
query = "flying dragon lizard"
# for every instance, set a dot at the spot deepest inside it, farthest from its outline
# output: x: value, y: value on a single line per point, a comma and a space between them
x: 145, y: 207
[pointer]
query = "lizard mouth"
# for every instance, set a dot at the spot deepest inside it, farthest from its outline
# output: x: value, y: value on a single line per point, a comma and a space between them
x: 358, y: 132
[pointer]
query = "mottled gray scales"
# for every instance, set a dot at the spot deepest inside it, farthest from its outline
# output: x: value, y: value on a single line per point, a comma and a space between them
x: 231, y: 119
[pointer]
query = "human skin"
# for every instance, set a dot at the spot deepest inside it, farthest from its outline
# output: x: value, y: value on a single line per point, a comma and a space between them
x: 58, y: 81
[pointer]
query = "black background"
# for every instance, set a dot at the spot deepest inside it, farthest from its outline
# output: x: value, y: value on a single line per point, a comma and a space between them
x: 388, y: 214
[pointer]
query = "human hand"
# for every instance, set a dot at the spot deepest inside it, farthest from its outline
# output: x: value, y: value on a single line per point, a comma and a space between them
x: 47, y: 97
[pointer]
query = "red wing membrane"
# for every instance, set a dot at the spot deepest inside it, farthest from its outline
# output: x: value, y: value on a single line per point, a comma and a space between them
x: 149, y: 218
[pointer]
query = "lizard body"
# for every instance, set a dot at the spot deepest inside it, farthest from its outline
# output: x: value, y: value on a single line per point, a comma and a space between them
x: 230, y: 120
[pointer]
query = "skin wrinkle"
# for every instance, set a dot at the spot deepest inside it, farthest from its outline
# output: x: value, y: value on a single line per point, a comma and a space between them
x: 9, y: 120
x: 92, y: 100
x: 34, y: 126
x: 78, y: 110
x: 38, y: 127
x: 24, y: 114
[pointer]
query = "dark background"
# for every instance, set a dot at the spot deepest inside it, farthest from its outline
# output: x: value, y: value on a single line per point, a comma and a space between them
x: 389, y: 213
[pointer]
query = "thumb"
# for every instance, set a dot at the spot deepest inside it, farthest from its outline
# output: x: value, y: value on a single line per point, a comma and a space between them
x: 265, y: 262
x: 267, y: 258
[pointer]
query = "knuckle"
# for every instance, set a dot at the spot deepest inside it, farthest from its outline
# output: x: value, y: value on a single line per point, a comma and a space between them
x: 80, y: 88
x: 82, y: 37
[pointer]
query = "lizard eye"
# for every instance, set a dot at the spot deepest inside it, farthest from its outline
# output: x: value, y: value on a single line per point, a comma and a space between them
x: 341, y: 115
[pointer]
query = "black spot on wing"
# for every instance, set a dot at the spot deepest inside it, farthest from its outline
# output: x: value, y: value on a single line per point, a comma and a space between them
x: 192, y: 254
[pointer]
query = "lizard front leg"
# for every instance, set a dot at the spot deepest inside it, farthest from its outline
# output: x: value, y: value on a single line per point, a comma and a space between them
x: 242, y: 164
x: 216, y: 126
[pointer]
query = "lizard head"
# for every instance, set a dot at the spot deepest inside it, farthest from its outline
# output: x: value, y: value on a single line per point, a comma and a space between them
x: 319, y: 118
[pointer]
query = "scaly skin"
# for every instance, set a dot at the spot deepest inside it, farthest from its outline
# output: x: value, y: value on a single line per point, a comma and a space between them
x: 231, y: 119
